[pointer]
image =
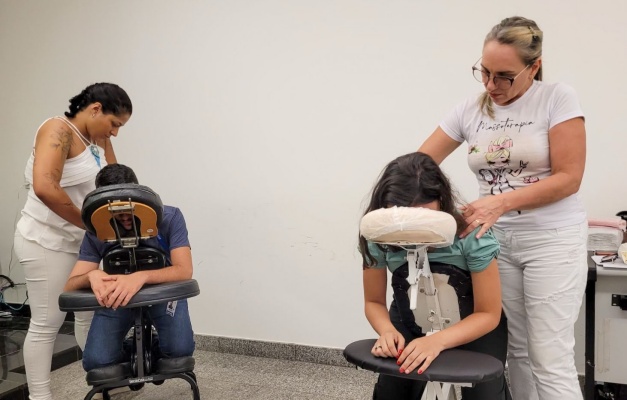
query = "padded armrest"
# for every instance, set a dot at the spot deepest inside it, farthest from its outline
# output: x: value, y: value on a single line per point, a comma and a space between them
x: 85, y: 300
x: 453, y: 365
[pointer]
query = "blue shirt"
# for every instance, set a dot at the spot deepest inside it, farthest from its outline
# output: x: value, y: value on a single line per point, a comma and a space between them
x: 172, y: 234
x: 470, y: 254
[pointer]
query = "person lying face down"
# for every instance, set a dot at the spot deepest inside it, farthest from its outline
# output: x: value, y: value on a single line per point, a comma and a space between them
x: 112, y: 322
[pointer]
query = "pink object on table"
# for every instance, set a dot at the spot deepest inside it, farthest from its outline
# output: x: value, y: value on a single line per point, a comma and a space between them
x: 610, y: 223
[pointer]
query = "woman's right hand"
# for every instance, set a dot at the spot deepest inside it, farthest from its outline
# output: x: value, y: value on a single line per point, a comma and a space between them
x: 420, y: 353
x: 389, y: 344
x: 99, y: 282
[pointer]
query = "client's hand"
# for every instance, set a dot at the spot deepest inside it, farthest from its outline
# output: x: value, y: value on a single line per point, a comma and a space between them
x: 122, y: 290
x: 420, y: 351
x: 390, y: 344
x: 99, y: 282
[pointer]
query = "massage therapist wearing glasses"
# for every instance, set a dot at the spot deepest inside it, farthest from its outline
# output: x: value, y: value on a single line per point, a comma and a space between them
x: 526, y: 143
x: 68, y: 153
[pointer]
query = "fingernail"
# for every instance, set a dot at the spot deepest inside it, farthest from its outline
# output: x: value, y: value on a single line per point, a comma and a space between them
x: 420, y: 371
x: 402, y: 370
x: 400, y: 352
x: 398, y: 362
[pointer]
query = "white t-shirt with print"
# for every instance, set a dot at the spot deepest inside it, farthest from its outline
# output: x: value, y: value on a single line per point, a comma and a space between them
x: 511, y: 151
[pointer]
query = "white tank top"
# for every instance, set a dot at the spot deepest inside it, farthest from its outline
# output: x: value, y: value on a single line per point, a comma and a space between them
x: 42, y: 225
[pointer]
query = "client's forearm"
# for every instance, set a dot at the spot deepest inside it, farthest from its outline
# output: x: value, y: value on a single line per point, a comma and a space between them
x: 379, y: 317
x: 470, y: 328
x: 77, y: 282
x: 168, y: 274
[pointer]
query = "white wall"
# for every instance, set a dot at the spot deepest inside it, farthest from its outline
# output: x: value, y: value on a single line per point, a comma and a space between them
x: 267, y: 122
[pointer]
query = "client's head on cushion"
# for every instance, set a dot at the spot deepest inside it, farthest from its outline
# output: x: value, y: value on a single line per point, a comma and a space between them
x: 108, y: 211
x: 115, y: 174
x: 409, y: 226
x: 412, y: 181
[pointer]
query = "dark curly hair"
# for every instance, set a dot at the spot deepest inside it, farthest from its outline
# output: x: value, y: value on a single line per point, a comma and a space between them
x: 113, y: 98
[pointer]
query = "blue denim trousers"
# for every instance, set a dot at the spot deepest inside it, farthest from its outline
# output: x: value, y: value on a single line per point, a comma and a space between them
x: 109, y: 327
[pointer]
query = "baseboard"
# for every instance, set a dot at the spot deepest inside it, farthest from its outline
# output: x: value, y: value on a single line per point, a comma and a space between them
x: 284, y: 351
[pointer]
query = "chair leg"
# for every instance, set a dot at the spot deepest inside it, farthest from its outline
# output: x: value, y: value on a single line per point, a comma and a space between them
x: 190, y: 377
x: 91, y: 394
x: 136, y: 386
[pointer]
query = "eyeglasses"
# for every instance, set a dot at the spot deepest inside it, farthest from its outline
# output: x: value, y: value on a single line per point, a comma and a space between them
x: 501, y: 82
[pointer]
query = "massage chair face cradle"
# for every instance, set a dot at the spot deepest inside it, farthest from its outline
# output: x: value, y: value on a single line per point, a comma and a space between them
x: 145, y: 220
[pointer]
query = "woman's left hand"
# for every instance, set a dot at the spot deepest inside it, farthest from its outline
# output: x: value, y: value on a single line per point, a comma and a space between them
x: 419, y: 353
x: 484, y: 212
x: 390, y: 344
x: 123, y: 288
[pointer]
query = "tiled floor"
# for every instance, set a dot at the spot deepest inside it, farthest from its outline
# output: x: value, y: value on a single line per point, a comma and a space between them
x: 12, y: 334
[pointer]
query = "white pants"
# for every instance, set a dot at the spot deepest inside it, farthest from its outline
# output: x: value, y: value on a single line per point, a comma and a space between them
x: 543, y: 278
x: 46, y: 272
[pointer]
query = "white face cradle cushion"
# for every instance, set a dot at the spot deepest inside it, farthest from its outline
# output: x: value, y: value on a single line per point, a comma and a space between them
x: 409, y: 226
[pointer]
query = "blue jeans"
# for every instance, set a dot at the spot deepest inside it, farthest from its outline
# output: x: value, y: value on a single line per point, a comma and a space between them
x: 104, y: 345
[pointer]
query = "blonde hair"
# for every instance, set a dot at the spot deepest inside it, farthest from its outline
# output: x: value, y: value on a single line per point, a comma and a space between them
x: 524, y: 35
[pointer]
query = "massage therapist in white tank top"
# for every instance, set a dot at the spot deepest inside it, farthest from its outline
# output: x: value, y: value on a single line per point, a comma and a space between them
x: 67, y: 154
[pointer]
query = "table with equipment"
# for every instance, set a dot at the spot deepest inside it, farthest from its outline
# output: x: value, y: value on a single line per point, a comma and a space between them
x: 606, y: 330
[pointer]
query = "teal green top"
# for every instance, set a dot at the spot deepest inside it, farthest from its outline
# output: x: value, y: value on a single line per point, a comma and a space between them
x: 470, y: 254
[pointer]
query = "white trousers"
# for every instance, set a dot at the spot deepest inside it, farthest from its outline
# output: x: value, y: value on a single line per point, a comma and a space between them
x: 543, y: 278
x: 46, y: 272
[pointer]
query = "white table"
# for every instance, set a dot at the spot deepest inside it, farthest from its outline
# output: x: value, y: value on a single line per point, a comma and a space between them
x: 606, y: 338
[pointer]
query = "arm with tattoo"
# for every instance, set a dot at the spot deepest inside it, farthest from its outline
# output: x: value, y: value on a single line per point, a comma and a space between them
x: 52, y: 147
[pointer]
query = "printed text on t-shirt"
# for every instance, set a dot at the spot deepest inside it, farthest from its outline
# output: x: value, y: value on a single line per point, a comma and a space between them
x: 502, y: 125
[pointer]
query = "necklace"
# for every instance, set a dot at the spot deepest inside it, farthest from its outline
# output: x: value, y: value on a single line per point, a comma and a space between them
x: 88, y: 143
